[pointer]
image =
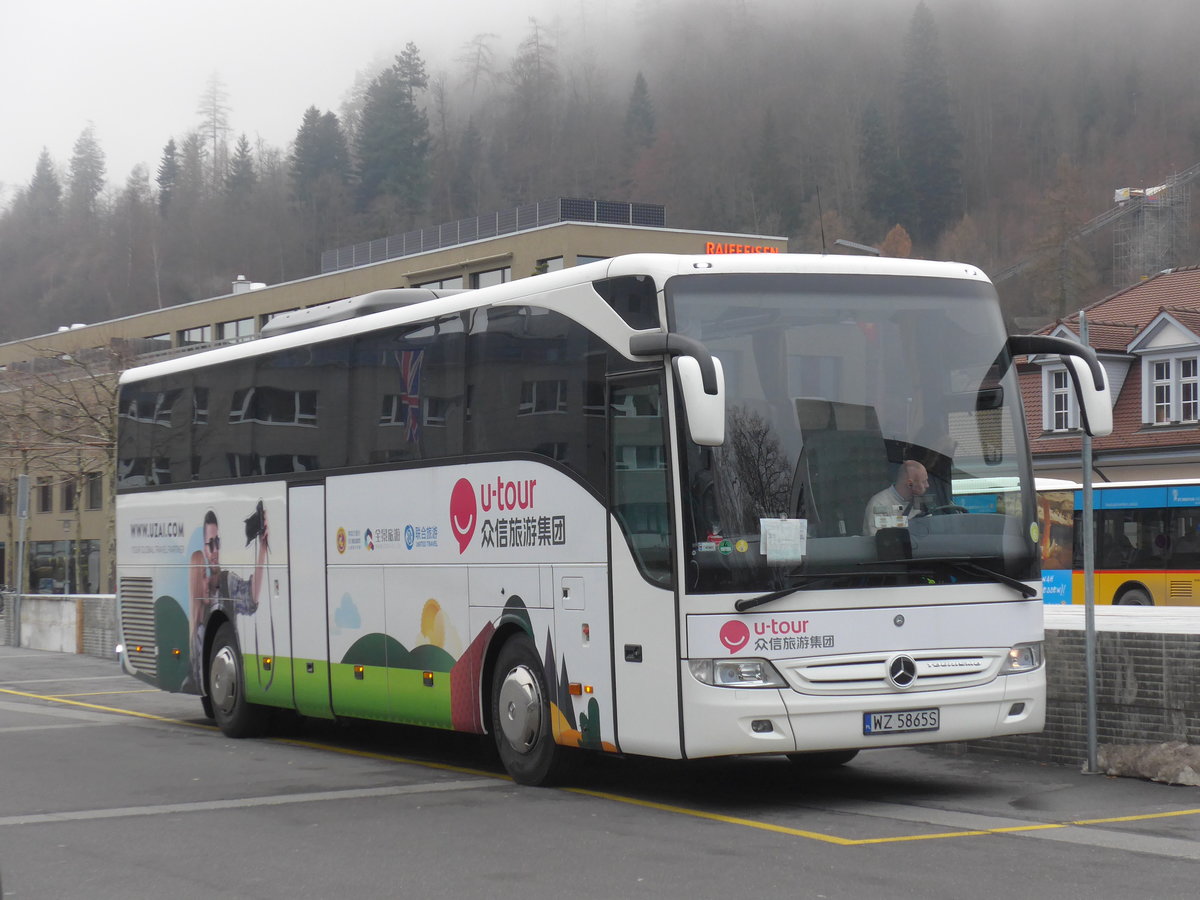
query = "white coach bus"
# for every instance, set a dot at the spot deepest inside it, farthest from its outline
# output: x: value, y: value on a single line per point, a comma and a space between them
x: 620, y: 507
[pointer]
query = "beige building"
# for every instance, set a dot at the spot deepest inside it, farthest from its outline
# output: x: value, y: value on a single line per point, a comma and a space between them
x: 68, y: 530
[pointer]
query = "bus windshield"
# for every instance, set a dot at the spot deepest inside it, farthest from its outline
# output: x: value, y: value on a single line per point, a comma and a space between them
x: 869, y: 421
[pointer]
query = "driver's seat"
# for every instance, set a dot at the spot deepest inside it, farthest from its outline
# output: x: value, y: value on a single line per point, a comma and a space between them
x: 842, y: 464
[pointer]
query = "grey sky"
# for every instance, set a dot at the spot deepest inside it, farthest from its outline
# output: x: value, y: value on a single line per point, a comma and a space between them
x: 136, y: 69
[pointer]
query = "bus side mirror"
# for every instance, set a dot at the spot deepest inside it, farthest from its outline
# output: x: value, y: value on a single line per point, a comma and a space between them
x: 701, y: 381
x: 1095, y: 405
x: 705, y: 412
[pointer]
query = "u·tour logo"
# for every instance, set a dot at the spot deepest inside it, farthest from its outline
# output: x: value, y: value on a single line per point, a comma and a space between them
x: 464, y: 513
x: 734, y: 635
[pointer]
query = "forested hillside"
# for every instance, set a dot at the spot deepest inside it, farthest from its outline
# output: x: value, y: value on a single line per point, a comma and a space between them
x: 987, y: 130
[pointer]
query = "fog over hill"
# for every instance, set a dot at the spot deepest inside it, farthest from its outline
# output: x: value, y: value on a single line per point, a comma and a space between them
x: 165, y: 151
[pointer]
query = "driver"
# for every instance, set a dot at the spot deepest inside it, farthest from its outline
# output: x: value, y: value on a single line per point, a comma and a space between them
x: 895, y: 505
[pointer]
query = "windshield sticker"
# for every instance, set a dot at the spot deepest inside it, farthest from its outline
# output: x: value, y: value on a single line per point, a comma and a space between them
x: 783, y: 540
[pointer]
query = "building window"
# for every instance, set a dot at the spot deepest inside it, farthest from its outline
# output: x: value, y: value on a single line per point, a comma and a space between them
x: 1189, y: 401
x: 539, y: 397
x: 444, y: 284
x: 94, y: 489
x: 1171, y: 392
x: 550, y: 264
x: 273, y: 406
x: 1060, y: 409
x: 436, y: 409
x: 491, y: 277
x: 150, y: 407
x: 68, y: 494
x: 1161, y: 385
x: 236, y: 330
x: 200, y: 406
x: 200, y: 335
x: 1061, y: 392
x: 45, y: 494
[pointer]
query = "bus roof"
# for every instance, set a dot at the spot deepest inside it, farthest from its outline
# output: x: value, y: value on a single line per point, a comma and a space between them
x: 356, y: 315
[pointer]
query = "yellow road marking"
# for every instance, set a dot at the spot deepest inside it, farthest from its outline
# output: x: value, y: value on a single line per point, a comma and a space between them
x: 104, y: 693
x: 109, y: 709
x: 633, y: 801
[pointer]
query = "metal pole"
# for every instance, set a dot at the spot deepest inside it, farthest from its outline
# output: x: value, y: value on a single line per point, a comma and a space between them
x: 22, y: 518
x: 1089, y: 581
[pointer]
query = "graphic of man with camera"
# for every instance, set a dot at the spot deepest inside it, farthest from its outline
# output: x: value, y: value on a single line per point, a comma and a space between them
x: 213, y: 587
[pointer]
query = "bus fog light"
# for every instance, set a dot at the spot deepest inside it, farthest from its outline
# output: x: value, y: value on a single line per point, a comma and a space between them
x: 750, y: 673
x: 1023, y: 658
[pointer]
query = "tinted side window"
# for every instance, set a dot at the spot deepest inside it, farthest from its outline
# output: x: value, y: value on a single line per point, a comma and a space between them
x: 407, y: 396
x: 633, y: 298
x: 535, y: 384
x: 155, y: 433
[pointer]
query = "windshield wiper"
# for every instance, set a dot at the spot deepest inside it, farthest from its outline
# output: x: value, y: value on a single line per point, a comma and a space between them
x: 808, y: 582
x: 967, y: 567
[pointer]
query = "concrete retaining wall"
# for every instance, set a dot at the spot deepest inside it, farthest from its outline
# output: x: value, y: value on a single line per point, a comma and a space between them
x: 74, y: 623
x: 1147, y: 683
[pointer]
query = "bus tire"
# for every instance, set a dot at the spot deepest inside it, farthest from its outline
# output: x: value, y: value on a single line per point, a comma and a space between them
x: 234, y: 715
x: 521, y: 715
x: 823, y: 759
x: 1134, y: 597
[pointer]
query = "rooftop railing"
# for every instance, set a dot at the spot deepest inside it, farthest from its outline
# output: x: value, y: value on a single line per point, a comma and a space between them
x: 509, y: 221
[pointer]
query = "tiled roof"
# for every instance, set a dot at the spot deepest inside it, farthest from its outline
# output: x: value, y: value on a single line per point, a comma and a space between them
x: 1188, y: 318
x: 1139, y: 304
x: 1114, y: 324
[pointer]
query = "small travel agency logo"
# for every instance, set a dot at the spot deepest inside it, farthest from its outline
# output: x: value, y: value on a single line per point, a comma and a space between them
x: 368, y: 539
x: 410, y: 536
x: 734, y: 635
x: 341, y: 540
x: 464, y: 513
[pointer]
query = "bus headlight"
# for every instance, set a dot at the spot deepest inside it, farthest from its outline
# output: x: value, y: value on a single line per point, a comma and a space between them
x: 745, y: 673
x: 1023, y: 658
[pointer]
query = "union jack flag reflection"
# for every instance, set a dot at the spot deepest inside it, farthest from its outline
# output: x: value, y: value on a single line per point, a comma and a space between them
x: 410, y: 396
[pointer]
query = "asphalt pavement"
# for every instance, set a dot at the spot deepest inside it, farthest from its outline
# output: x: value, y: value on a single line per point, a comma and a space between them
x: 111, y: 789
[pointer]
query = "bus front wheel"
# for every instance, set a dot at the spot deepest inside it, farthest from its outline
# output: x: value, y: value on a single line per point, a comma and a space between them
x: 234, y: 715
x: 521, y: 715
x: 1135, y: 597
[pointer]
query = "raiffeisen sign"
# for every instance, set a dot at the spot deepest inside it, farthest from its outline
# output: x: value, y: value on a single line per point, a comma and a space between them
x: 715, y: 247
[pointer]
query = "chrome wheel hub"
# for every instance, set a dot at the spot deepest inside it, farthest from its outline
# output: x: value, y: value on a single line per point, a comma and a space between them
x: 222, y: 681
x: 520, y: 708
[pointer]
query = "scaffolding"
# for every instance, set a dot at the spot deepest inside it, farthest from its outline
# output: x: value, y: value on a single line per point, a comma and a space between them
x: 1150, y: 231
x: 1153, y: 233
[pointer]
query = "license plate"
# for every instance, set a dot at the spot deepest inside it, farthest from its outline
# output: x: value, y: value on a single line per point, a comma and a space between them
x: 900, y: 721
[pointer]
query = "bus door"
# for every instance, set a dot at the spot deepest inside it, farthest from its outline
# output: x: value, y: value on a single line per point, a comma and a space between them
x: 309, y: 618
x: 644, y: 611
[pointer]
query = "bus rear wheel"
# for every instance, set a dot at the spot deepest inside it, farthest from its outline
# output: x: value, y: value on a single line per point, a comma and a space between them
x: 1135, y: 597
x: 234, y: 715
x: 521, y: 715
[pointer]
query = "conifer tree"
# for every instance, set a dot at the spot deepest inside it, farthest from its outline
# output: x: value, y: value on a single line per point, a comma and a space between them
x: 930, y: 141
x: 887, y: 194
x: 393, y: 139
x: 86, y: 179
x: 43, y: 199
x: 168, y: 175
x: 242, y: 177
x: 639, y: 117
